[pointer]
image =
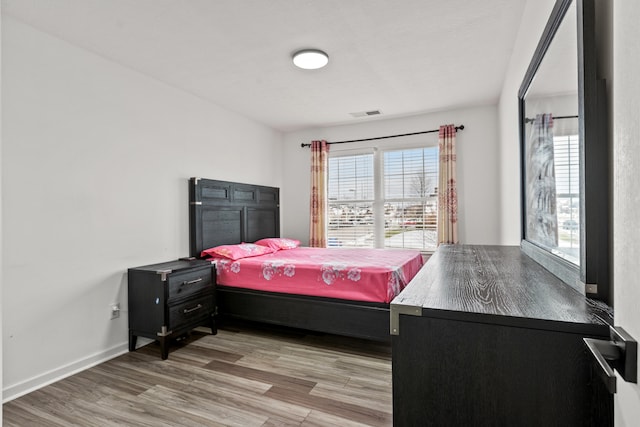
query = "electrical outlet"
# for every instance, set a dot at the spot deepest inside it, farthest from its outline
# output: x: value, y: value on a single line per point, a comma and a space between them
x: 115, y: 310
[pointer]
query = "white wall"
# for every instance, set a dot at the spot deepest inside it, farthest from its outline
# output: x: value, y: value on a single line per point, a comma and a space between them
x: 534, y: 19
x: 95, y: 164
x: 477, y: 153
x: 626, y: 167
x: 559, y: 105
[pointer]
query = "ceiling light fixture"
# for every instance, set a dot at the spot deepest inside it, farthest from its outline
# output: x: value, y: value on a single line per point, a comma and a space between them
x: 310, y: 59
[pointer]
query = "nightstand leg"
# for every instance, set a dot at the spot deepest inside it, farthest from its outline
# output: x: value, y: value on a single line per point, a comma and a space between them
x: 132, y: 341
x: 214, y: 327
x: 164, y: 347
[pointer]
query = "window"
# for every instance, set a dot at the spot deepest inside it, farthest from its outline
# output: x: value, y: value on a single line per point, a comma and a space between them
x: 351, y: 198
x: 410, y: 198
x: 567, y: 174
x: 399, y: 212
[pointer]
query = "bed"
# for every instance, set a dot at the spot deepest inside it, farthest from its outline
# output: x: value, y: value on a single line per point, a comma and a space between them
x: 308, y: 288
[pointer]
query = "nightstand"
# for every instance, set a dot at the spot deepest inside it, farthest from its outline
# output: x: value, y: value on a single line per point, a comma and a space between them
x: 169, y: 299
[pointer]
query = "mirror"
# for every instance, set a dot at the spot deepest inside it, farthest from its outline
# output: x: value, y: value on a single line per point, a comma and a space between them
x: 551, y: 142
x: 564, y: 155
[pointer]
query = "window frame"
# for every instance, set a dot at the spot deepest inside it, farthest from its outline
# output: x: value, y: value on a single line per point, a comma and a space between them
x: 423, y: 200
x: 378, y: 148
x: 350, y: 153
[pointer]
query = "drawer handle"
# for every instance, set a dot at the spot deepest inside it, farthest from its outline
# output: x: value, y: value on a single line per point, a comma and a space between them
x: 619, y: 353
x: 601, y: 351
x: 191, y: 282
x: 191, y: 310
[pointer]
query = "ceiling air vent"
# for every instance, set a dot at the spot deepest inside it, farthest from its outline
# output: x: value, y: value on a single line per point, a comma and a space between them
x: 366, y: 113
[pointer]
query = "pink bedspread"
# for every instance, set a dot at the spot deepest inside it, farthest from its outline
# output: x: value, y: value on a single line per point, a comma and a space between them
x: 375, y: 275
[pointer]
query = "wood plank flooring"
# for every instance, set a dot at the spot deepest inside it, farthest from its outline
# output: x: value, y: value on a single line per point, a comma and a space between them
x: 247, y: 375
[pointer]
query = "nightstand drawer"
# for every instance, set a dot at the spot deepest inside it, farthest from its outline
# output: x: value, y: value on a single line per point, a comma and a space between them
x: 189, y: 282
x: 189, y: 312
x: 169, y: 298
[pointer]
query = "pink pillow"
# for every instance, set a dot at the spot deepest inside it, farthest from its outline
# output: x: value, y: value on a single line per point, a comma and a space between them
x: 235, y: 252
x: 277, y: 243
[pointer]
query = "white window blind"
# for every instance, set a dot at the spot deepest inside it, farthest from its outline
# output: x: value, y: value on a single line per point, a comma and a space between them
x: 400, y: 213
x: 567, y: 174
x: 351, y: 198
x: 410, y: 198
x: 567, y: 165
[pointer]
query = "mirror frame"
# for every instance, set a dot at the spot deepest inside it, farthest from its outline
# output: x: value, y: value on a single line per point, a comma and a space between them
x: 592, y: 277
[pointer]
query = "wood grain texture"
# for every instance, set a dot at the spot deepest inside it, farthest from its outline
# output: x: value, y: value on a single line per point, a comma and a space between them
x: 469, y: 282
x: 247, y: 375
x: 495, y: 340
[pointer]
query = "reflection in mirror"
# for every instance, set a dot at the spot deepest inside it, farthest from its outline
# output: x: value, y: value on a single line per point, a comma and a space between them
x: 565, y: 151
x: 551, y: 148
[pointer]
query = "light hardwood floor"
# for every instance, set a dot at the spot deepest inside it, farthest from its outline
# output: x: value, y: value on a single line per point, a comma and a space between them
x: 247, y: 375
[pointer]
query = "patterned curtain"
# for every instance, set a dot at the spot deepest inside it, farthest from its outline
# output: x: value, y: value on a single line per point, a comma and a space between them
x: 318, y: 205
x: 447, y: 187
x: 542, y: 220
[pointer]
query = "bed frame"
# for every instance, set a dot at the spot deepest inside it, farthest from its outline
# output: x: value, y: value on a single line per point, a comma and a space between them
x: 221, y: 213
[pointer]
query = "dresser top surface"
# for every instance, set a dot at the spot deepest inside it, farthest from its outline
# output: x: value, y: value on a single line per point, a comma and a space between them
x: 173, y: 266
x: 496, y: 283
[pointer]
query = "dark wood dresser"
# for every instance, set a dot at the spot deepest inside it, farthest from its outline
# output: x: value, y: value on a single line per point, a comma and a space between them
x: 169, y: 299
x: 484, y: 336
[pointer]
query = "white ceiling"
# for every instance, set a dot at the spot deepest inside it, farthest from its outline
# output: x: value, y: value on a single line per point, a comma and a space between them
x: 401, y: 57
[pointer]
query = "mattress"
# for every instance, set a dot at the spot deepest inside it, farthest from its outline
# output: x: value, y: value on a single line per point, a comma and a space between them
x: 355, y: 274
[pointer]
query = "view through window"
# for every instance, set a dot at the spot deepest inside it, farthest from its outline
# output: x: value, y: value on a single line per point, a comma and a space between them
x: 402, y: 214
x: 567, y: 173
x: 411, y: 199
x: 351, y: 198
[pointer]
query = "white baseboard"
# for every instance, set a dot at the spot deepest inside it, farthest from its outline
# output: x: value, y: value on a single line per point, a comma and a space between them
x: 20, y: 389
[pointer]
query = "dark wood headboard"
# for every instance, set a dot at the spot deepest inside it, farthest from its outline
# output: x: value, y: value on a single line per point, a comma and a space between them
x: 225, y: 213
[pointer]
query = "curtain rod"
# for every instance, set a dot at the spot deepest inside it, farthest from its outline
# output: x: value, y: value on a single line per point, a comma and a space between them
x: 528, y: 120
x: 461, y: 127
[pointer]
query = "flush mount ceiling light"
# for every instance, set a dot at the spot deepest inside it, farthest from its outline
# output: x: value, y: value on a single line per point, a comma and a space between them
x: 310, y: 59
